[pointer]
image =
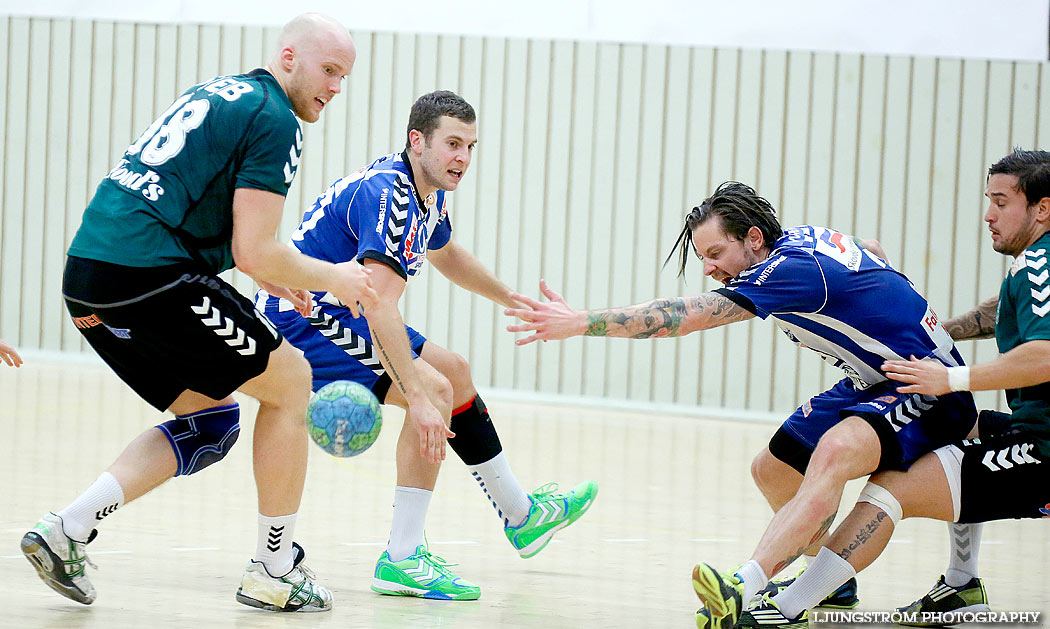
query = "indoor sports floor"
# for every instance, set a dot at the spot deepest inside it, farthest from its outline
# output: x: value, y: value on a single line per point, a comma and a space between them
x: 673, y: 490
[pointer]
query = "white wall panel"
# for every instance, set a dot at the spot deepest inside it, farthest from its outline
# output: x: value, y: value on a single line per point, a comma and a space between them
x: 589, y: 156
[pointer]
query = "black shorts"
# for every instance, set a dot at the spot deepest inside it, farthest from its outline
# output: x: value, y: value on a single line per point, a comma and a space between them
x: 998, y: 478
x: 168, y: 329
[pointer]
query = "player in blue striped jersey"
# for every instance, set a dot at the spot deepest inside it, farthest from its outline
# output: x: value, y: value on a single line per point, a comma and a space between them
x: 391, y: 216
x: 1002, y: 474
x: 827, y: 294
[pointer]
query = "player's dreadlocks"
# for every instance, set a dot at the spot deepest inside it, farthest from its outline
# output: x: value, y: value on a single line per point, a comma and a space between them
x: 739, y: 207
x: 1032, y: 169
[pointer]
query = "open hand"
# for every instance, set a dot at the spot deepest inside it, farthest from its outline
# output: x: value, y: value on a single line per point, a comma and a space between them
x: 929, y: 377
x: 553, y: 320
x: 433, y: 433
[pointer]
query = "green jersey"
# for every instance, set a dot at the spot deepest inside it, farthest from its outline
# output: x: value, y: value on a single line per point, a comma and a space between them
x: 170, y: 198
x: 1023, y: 315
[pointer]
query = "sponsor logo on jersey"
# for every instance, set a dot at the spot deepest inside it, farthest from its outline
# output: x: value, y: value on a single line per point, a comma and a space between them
x: 120, y: 333
x: 1045, y: 511
x: 766, y: 272
x: 84, y: 323
x: 888, y: 399
x: 146, y: 184
x: 840, y: 248
x: 384, y: 197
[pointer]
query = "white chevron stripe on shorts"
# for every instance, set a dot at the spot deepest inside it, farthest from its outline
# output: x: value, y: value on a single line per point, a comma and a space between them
x: 224, y: 328
x: 346, y: 339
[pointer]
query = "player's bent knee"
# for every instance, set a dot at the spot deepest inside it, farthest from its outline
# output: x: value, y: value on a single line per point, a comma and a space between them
x: 835, y: 452
x: 202, y: 438
x: 441, y: 389
x: 290, y: 378
x: 459, y: 373
x: 883, y: 499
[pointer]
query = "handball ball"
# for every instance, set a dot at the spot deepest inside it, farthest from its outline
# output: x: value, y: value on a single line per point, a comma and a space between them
x: 344, y: 418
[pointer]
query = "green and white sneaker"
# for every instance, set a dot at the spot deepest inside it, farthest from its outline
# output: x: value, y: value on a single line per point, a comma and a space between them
x: 948, y: 600
x: 722, y: 595
x: 59, y: 561
x: 296, y: 591
x: 766, y: 614
x: 422, y: 574
x: 549, y: 512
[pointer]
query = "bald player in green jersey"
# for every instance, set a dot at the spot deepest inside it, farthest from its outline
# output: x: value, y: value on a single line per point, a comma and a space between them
x: 198, y: 192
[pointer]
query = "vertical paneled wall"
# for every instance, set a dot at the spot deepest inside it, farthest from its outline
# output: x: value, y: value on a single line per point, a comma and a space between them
x: 589, y: 156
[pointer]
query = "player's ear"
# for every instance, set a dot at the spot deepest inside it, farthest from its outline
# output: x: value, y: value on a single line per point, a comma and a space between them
x: 755, y: 238
x: 1042, y: 210
x: 416, y: 140
x: 288, y: 58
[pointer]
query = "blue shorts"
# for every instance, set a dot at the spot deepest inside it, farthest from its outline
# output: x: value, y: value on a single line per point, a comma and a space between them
x: 339, y: 347
x: 909, y: 425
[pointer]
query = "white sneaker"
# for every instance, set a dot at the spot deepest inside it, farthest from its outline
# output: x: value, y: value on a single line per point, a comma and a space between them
x: 59, y: 560
x: 296, y: 591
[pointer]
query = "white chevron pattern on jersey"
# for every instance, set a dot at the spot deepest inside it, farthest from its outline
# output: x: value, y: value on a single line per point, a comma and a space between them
x: 551, y: 510
x: 224, y: 328
x: 1036, y: 260
x: 345, y: 339
x: 398, y: 215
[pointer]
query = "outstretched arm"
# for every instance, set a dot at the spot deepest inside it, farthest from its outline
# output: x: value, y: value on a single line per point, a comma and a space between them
x: 978, y: 323
x: 463, y: 269
x: 676, y: 316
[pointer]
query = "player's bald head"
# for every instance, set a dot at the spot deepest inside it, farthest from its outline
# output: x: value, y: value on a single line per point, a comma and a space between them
x: 314, y: 29
x: 314, y: 53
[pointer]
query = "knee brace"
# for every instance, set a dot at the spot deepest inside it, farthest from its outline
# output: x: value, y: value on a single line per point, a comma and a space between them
x: 476, y: 440
x: 202, y: 438
x: 883, y: 499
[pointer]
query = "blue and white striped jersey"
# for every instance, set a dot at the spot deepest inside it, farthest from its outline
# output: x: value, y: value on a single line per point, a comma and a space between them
x: 843, y: 302
x: 373, y: 213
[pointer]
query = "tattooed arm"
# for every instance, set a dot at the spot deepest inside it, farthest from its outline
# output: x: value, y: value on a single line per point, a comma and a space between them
x: 978, y: 323
x: 395, y: 353
x: 676, y: 316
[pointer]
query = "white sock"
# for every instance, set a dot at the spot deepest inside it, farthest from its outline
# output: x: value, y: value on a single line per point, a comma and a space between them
x: 824, y: 575
x: 754, y: 579
x: 274, y: 545
x: 410, y: 514
x: 965, y: 540
x: 502, y: 488
x: 102, y: 498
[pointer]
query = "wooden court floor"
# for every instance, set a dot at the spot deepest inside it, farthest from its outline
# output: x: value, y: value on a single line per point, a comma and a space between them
x: 673, y: 490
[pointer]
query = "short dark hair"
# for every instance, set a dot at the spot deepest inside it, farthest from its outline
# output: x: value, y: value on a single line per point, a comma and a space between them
x: 1032, y: 169
x: 739, y: 207
x: 429, y: 108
